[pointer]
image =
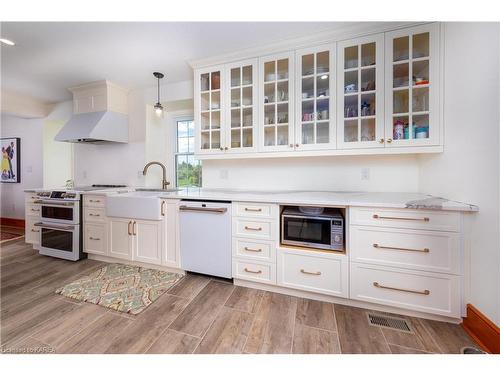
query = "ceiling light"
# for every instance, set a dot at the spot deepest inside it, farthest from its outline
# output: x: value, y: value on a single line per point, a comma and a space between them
x: 324, y: 76
x: 7, y: 42
x: 158, y: 107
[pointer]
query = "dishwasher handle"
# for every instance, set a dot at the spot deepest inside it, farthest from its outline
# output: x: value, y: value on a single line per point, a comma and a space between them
x: 216, y: 210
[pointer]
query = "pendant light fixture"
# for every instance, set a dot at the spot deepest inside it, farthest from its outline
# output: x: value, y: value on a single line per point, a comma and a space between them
x: 158, y: 107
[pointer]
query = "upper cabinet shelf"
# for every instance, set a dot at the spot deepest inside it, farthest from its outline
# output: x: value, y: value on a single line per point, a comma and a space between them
x: 378, y: 94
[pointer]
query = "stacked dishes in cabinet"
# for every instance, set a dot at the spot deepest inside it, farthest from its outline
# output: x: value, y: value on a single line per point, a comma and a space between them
x: 254, y: 227
x: 95, y: 235
x: 32, y: 233
x: 406, y: 258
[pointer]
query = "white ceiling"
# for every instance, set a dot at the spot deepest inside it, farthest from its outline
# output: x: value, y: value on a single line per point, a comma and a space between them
x: 50, y: 57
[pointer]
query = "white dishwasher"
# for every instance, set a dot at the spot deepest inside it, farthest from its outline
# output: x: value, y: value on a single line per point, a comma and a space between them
x: 205, y: 237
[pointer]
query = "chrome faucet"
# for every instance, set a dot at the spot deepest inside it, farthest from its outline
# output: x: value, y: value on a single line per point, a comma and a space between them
x: 164, y: 182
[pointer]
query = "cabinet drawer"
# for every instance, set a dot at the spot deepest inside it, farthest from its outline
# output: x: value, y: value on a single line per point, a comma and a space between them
x: 414, y: 249
x: 248, y: 228
x: 254, y: 271
x: 95, y: 239
x: 94, y: 200
x: 406, y: 218
x: 313, y: 271
x: 33, y: 210
x: 415, y: 290
x: 254, y: 209
x: 31, y: 197
x: 32, y: 233
x: 254, y: 249
x: 95, y: 215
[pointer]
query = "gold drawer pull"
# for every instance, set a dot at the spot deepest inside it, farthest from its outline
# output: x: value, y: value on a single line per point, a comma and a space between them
x: 94, y: 201
x: 251, y: 228
x: 424, y: 292
x: 254, y: 250
x: 162, y: 209
x: 97, y: 215
x: 94, y: 239
x: 250, y: 271
x: 310, y: 273
x: 35, y: 210
x: 377, y: 246
x: 35, y: 231
x: 253, y: 209
x: 401, y: 218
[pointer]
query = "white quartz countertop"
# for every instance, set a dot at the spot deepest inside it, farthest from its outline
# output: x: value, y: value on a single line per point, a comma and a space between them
x: 310, y: 197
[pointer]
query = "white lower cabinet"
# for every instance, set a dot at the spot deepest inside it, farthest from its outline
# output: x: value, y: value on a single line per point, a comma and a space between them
x: 170, y: 226
x: 138, y: 240
x: 147, y: 238
x: 32, y: 233
x: 414, y: 290
x: 313, y: 271
x: 95, y: 239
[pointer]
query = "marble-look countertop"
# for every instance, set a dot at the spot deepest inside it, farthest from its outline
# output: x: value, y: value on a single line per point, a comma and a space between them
x: 310, y: 197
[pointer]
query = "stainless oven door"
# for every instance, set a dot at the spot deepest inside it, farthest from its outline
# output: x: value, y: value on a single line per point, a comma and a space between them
x: 60, y: 212
x: 313, y: 232
x: 60, y: 241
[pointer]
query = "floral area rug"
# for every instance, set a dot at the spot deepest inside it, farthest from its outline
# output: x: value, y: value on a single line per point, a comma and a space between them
x: 121, y: 287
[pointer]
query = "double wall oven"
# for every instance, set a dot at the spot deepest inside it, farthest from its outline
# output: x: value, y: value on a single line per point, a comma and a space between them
x: 60, y: 234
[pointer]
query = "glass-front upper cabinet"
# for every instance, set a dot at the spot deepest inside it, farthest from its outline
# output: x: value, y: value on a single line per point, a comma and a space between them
x: 276, y: 102
x: 360, y: 72
x: 209, y: 107
x: 241, y: 116
x: 315, y: 114
x: 412, y: 87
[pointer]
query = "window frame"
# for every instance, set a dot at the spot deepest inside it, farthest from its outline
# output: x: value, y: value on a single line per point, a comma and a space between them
x: 187, y: 118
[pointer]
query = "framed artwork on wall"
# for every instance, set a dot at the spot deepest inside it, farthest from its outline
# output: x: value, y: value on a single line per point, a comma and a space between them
x: 11, y: 160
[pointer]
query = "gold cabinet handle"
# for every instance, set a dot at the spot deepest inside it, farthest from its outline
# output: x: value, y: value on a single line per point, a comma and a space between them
x: 310, y: 273
x: 424, y: 292
x: 128, y: 228
x: 133, y: 229
x: 401, y: 218
x: 33, y: 210
x: 381, y: 140
x: 35, y: 231
x: 253, y: 250
x: 251, y: 228
x: 389, y: 140
x: 162, y: 208
x: 96, y: 215
x: 94, y: 239
x: 253, y: 209
x: 250, y: 271
x: 424, y: 250
x: 94, y: 201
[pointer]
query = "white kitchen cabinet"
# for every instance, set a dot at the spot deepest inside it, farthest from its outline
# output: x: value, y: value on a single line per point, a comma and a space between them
x: 240, y: 124
x: 360, y: 77
x: 316, y: 93
x: 99, y: 96
x: 138, y: 240
x: 95, y: 239
x: 170, y: 226
x: 147, y: 241
x: 276, y: 124
x: 32, y: 233
x: 210, y: 107
x: 412, y: 86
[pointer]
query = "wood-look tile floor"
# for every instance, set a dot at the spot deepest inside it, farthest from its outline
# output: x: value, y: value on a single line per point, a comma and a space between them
x: 198, y: 315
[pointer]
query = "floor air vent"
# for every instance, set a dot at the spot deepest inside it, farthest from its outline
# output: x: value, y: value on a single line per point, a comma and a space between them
x: 391, y: 322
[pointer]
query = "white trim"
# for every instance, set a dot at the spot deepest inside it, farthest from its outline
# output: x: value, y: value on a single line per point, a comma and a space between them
x: 344, y: 32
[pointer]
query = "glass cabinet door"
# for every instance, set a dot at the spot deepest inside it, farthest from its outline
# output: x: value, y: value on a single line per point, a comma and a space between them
x: 411, y: 82
x: 276, y: 118
x: 360, y: 92
x: 209, y: 111
x: 316, y: 98
x: 242, y: 99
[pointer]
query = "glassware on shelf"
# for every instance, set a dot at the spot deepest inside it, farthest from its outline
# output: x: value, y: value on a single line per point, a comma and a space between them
x: 308, y: 133
x: 247, y: 138
x: 400, y: 101
x: 269, y: 136
x: 282, y: 135
x: 400, y: 75
x: 323, y: 132
x: 350, y: 130
x: 368, y: 130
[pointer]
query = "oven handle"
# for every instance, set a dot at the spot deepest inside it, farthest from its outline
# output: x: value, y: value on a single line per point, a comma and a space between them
x: 55, y: 203
x: 47, y: 226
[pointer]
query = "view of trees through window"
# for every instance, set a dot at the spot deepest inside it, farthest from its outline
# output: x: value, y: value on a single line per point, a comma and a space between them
x: 188, y: 168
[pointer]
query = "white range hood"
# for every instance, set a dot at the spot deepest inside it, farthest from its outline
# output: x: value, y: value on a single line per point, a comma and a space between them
x: 100, y: 114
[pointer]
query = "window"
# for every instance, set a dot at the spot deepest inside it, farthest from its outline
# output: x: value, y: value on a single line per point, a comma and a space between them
x: 187, y: 168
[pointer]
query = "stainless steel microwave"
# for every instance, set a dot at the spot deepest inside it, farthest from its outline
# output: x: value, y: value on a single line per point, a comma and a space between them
x: 318, y: 230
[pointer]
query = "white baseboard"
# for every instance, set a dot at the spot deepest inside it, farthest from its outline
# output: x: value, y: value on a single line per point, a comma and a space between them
x: 106, y: 259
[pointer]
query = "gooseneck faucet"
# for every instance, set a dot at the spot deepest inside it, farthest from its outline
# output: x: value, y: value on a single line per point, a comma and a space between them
x: 164, y: 182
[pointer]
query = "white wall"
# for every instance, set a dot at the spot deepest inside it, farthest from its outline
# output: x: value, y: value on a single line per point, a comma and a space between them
x: 30, y: 132
x: 386, y: 173
x: 469, y: 169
